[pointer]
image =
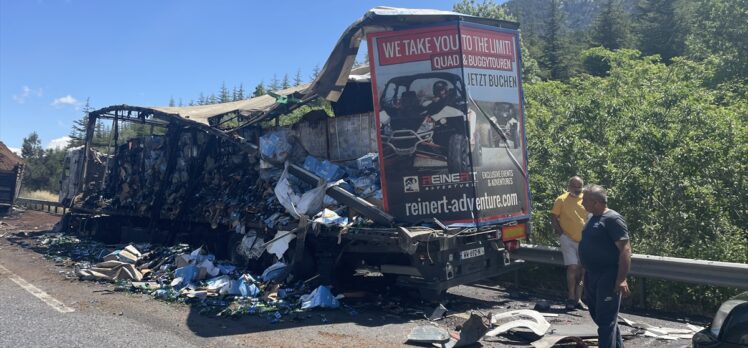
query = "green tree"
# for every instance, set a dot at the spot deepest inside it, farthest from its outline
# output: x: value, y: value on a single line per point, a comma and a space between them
x: 240, y: 92
x: 43, y: 167
x: 285, y: 83
x: 274, y: 83
x: 555, y: 58
x: 659, y: 30
x: 32, y: 146
x: 259, y: 90
x: 611, y: 28
x: 171, y: 101
x: 722, y: 35
x: 297, y: 78
x: 78, y: 132
x: 315, y: 72
x: 223, y: 94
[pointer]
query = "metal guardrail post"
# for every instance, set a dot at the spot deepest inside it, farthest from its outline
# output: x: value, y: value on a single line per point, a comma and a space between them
x: 704, y: 272
x: 40, y: 205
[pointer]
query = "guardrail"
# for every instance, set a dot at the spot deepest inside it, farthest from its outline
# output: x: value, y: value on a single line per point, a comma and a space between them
x: 41, y: 205
x: 659, y: 267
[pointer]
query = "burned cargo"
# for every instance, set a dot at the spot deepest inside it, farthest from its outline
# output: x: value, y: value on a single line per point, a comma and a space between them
x: 11, y: 175
x: 335, y: 181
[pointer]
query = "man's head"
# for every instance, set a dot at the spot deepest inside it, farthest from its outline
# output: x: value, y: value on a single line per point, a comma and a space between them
x: 595, y: 199
x: 575, y: 185
x: 440, y: 89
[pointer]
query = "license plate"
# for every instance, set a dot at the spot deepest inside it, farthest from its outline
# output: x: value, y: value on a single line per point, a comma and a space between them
x: 470, y: 253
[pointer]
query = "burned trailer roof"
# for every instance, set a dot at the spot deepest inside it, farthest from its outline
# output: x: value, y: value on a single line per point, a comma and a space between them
x: 204, y: 113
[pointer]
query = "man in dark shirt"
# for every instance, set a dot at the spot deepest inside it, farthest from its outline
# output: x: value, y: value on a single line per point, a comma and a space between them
x: 605, y: 253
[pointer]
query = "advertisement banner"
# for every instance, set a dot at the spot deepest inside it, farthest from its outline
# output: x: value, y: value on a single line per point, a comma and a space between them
x: 451, y: 123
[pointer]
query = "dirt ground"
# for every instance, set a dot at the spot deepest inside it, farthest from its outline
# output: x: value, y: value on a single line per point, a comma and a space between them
x: 378, y: 319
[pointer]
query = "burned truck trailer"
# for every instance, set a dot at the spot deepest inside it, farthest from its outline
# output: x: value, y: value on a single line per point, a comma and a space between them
x: 251, y: 172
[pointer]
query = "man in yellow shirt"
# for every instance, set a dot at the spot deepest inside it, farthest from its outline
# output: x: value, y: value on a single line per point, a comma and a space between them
x: 568, y: 217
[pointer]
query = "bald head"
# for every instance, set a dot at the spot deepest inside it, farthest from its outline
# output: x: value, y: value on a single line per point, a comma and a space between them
x: 575, y: 185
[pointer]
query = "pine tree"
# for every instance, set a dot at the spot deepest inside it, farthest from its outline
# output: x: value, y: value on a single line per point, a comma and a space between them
x: 315, y: 72
x: 180, y: 102
x: 555, y: 58
x: 171, y: 101
x: 240, y: 92
x: 32, y: 146
x: 285, y: 83
x: 234, y: 94
x: 212, y: 99
x: 274, y: 83
x: 223, y: 94
x: 297, y: 79
x: 192, y: 102
x: 259, y: 90
x: 201, y: 100
x: 611, y: 27
x: 658, y: 29
x: 78, y: 133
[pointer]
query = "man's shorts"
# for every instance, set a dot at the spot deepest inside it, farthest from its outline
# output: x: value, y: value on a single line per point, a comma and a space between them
x: 570, y: 250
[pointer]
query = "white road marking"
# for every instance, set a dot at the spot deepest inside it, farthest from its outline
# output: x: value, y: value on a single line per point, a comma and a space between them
x: 40, y: 294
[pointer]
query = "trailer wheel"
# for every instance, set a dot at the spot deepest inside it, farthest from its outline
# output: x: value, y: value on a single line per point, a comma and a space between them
x: 458, y: 156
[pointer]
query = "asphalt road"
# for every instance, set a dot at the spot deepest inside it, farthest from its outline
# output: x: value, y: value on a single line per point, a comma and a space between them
x: 87, y: 314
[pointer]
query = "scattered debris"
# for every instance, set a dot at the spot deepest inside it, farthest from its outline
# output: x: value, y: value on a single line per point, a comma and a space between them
x: 439, y: 313
x: 428, y: 334
x: 321, y: 297
x: 542, y: 306
x: 552, y: 340
x: 472, y: 331
x: 527, y: 318
x: 662, y: 333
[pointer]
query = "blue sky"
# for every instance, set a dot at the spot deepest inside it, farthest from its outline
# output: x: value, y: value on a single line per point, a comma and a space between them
x: 56, y: 53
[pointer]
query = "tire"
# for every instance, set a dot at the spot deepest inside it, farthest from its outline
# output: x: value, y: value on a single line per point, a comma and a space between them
x: 458, y: 154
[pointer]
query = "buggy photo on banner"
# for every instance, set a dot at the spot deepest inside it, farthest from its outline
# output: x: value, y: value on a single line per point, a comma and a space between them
x: 450, y: 123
